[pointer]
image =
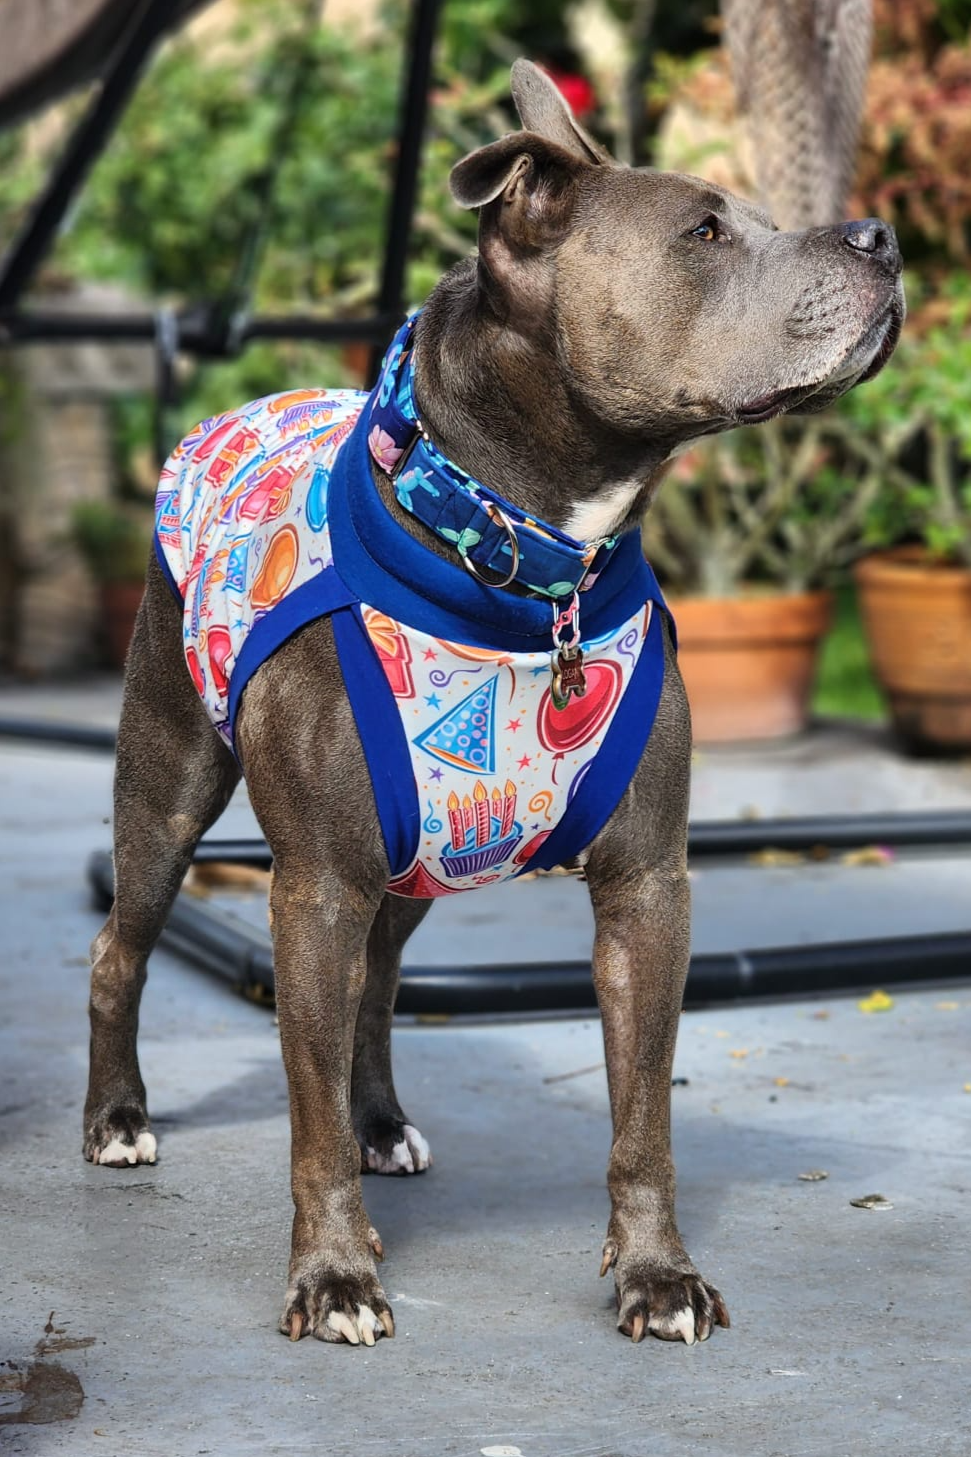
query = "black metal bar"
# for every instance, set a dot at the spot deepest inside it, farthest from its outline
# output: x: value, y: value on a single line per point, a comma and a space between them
x: 411, y: 130
x: 723, y: 839
x: 150, y: 18
x: 707, y: 839
x: 166, y: 382
x: 195, y: 335
x: 242, y: 954
x: 66, y: 735
x: 711, y: 839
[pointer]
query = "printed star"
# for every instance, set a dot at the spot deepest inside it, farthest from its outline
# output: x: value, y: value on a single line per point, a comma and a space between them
x: 433, y: 700
x: 538, y: 671
x: 514, y: 724
x: 430, y: 655
x: 524, y: 762
x: 436, y: 774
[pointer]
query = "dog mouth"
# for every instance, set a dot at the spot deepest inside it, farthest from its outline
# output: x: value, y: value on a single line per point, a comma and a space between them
x: 766, y: 407
x: 866, y: 359
x: 890, y: 327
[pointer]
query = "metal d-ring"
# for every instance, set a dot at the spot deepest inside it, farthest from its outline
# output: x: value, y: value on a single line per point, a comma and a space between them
x: 499, y: 517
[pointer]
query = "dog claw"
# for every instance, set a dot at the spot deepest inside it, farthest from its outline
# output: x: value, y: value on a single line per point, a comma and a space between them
x: 387, y: 1322
x: 374, y: 1240
x: 609, y: 1259
x: 722, y: 1317
x: 675, y: 1306
x: 296, y: 1326
x: 339, y: 1323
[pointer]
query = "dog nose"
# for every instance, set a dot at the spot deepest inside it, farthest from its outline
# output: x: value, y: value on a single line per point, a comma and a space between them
x: 878, y: 239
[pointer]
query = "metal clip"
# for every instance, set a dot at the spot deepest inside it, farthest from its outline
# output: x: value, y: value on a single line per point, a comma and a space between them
x: 566, y: 659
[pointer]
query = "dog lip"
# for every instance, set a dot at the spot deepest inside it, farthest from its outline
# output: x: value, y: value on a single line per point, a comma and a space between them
x: 764, y: 408
x: 886, y: 328
x: 892, y: 324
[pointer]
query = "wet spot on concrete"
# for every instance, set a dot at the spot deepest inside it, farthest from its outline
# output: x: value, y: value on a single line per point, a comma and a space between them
x: 55, y: 1339
x: 55, y: 1344
x: 39, y: 1393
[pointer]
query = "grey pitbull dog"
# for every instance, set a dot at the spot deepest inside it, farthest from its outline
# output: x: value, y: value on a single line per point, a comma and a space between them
x: 610, y: 316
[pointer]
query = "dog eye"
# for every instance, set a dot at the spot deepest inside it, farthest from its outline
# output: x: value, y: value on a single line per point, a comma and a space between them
x: 708, y: 231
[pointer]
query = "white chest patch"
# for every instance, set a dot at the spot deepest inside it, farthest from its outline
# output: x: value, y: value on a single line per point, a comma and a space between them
x: 592, y: 520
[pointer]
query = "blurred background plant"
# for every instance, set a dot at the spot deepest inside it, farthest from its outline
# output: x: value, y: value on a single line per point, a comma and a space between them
x: 916, y: 420
x: 114, y: 538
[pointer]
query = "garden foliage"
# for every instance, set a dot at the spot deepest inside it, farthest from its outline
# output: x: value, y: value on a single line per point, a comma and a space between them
x: 279, y: 138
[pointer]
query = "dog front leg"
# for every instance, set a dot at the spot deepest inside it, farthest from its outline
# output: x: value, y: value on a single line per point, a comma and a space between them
x: 320, y: 929
x: 390, y: 1142
x: 640, y: 963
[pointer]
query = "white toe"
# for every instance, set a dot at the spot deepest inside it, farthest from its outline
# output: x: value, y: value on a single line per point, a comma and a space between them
x: 367, y: 1324
x: 142, y: 1151
x: 146, y: 1148
x: 342, y: 1326
x: 682, y: 1324
x: 409, y: 1156
x: 118, y: 1153
x: 420, y: 1152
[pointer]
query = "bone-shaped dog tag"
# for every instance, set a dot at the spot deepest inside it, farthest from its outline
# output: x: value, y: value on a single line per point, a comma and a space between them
x: 568, y: 677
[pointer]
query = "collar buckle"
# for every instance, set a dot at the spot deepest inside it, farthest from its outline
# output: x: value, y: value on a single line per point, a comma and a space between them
x: 419, y: 433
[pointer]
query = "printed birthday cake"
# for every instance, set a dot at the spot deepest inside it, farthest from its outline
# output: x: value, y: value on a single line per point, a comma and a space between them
x: 484, y: 830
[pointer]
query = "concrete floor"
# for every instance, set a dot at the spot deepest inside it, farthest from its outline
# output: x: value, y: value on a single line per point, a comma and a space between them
x: 851, y: 1328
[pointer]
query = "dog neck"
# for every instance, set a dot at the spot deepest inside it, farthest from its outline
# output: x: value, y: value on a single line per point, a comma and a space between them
x: 497, y: 402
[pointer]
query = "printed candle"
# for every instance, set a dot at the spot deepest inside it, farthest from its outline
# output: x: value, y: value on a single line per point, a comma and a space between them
x: 468, y: 815
x: 508, y: 808
x: 496, y: 809
x: 456, y: 822
x: 481, y: 798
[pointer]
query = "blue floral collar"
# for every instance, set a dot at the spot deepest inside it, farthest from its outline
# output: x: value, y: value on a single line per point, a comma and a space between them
x: 498, y: 543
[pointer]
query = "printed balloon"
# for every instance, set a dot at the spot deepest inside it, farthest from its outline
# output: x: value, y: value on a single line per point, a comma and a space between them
x: 277, y: 569
x: 527, y: 851
x: 195, y: 670
x: 562, y: 730
x: 219, y: 647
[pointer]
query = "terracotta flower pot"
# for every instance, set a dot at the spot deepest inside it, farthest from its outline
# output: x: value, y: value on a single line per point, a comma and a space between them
x: 917, y: 615
x: 748, y: 662
x: 120, y: 602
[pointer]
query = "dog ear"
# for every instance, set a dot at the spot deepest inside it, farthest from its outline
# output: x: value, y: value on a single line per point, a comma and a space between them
x: 529, y: 177
x: 544, y: 110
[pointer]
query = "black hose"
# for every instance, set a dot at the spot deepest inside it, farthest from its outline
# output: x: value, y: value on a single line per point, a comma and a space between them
x: 242, y: 955
x: 707, y: 839
x: 722, y: 839
x: 69, y: 735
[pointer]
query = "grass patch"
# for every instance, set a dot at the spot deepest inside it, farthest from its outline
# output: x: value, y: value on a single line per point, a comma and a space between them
x: 845, y: 685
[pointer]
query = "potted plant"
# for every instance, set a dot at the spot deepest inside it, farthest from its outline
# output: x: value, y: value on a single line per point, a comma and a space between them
x: 114, y: 539
x: 747, y: 535
x: 915, y: 594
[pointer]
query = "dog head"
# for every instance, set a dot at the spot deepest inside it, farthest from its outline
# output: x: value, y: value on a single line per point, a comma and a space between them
x: 677, y: 308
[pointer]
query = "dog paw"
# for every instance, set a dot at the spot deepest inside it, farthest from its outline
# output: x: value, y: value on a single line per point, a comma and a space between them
x: 674, y: 1305
x: 120, y: 1141
x: 337, y: 1308
x: 401, y: 1150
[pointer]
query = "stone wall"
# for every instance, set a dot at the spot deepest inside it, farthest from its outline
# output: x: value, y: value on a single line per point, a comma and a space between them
x: 56, y: 450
